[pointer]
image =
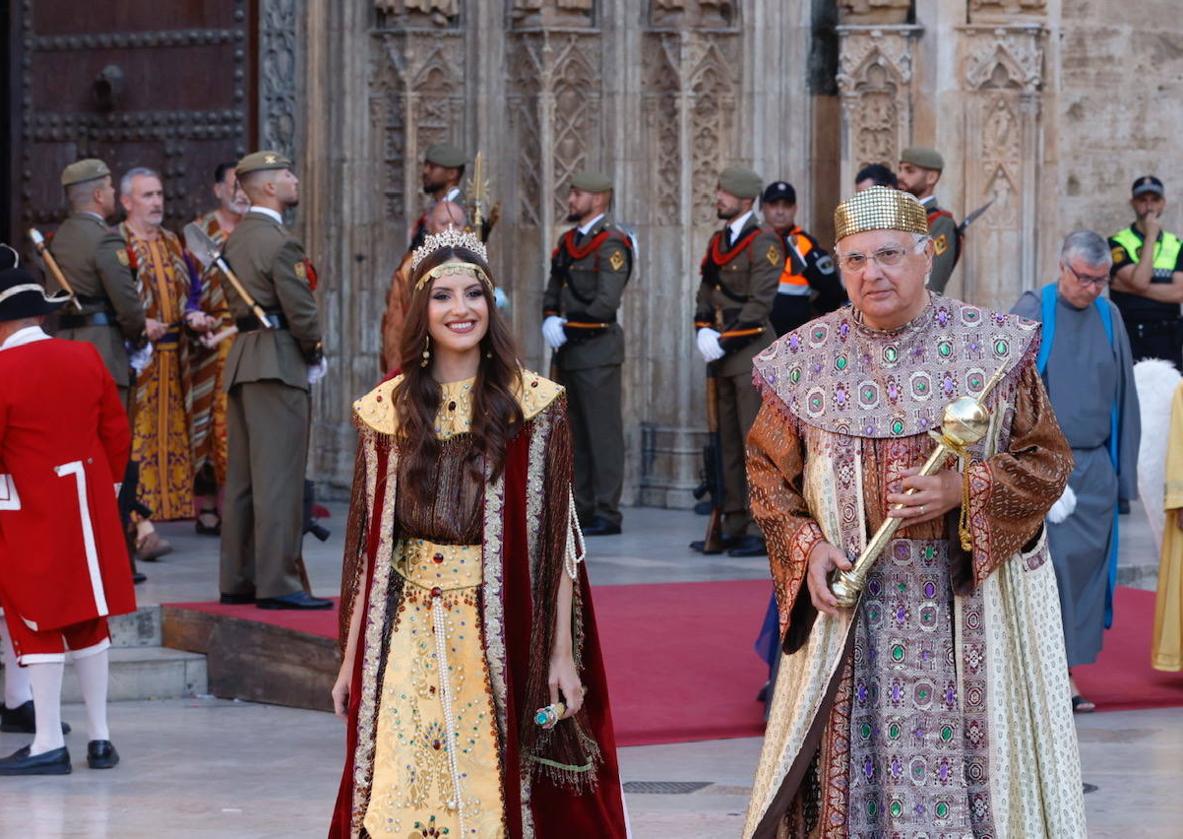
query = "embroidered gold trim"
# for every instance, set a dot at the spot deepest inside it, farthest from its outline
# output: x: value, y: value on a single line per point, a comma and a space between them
x: 448, y: 269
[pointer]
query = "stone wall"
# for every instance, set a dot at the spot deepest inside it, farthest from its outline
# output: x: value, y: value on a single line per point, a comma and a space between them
x: 1046, y: 108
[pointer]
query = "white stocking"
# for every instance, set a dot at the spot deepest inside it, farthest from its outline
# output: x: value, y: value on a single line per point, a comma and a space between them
x: 17, y: 690
x: 92, y: 675
x: 46, y: 679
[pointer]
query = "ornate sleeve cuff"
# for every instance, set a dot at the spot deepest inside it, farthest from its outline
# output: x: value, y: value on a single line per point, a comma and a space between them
x: 981, y: 483
x: 802, y: 542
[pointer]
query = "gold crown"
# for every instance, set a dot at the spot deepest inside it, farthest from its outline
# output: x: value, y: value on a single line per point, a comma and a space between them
x: 880, y: 208
x: 451, y: 238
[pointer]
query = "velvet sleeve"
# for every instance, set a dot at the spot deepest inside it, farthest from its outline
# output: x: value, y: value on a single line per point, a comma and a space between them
x: 776, y: 468
x: 1011, y: 491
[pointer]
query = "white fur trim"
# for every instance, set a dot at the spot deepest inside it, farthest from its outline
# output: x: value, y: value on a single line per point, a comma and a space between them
x: 1063, y: 508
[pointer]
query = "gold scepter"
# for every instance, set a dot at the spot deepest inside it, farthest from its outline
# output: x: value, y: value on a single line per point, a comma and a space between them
x: 479, y: 189
x: 964, y: 422
x: 52, y: 264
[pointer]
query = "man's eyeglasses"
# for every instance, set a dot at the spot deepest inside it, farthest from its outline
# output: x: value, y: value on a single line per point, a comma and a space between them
x: 885, y: 257
x: 1088, y: 279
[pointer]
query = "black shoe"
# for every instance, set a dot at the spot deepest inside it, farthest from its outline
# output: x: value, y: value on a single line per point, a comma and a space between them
x: 600, y: 526
x: 20, y: 762
x: 204, y: 529
x: 725, y: 542
x: 703, y: 508
x: 748, y: 546
x: 236, y: 599
x: 101, y: 754
x: 1123, y: 507
x: 22, y: 720
x: 138, y: 577
x: 298, y: 600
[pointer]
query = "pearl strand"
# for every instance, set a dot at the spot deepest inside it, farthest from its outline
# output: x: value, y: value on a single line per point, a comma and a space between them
x: 441, y: 652
x: 576, y: 547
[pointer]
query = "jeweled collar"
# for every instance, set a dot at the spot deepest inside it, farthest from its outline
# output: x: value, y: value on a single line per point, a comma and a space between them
x: 842, y: 376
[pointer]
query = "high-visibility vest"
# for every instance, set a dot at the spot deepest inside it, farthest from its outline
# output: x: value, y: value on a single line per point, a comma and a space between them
x: 792, y: 279
x: 1166, y: 251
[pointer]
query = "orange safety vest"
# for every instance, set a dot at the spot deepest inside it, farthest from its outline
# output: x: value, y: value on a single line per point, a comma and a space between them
x: 792, y: 281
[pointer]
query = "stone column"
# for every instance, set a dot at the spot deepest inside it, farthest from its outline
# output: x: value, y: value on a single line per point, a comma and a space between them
x: 1002, y: 80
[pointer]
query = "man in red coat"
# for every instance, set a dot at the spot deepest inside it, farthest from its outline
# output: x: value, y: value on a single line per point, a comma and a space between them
x: 63, y: 560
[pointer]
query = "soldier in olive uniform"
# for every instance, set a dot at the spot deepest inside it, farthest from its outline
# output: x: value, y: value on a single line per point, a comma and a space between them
x: 268, y: 375
x: 740, y: 276
x: 920, y: 170
x: 95, y: 261
x: 589, y: 270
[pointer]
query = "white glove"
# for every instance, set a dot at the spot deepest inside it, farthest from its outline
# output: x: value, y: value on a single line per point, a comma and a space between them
x: 141, y: 358
x: 552, y: 331
x: 317, y: 371
x: 1064, y: 507
x: 708, y: 345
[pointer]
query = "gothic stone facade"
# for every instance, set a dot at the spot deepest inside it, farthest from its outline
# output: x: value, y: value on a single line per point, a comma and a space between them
x: 1031, y: 102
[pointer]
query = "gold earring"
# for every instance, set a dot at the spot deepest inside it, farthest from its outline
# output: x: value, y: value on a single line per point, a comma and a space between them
x: 426, y: 353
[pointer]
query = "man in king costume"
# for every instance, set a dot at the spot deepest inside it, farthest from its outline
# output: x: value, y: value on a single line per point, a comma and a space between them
x: 938, y: 705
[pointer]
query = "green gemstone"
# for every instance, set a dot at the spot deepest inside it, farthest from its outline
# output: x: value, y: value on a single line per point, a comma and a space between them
x: 868, y: 393
x: 947, y: 733
x: 929, y: 551
x: 1000, y: 347
x: 866, y: 731
x: 922, y: 387
x: 945, y: 349
x: 815, y: 402
x: 795, y: 375
x: 897, y: 427
x: 890, y: 355
x: 942, y: 810
x: 893, y: 731
x: 897, y: 809
x: 897, y: 652
x: 902, y: 586
x: 872, y: 808
x: 975, y: 382
x: 840, y: 363
x: 818, y: 334
x: 923, y: 693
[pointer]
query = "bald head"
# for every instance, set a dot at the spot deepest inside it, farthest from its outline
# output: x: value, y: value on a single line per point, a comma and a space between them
x: 446, y: 214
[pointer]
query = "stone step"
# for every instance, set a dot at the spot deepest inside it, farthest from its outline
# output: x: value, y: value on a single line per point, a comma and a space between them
x: 139, y: 629
x: 147, y: 673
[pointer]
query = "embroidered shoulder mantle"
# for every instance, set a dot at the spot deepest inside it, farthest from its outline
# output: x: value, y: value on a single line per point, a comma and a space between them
x: 375, y: 411
x: 841, y: 376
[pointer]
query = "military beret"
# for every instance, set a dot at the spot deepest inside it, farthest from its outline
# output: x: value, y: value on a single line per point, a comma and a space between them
x: 84, y: 170
x: 741, y: 182
x: 923, y: 157
x: 445, y: 154
x: 1145, y: 184
x: 260, y: 161
x: 590, y: 181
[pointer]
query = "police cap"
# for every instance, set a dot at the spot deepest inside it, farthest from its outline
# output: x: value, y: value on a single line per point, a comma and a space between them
x: 1145, y: 184
x: 779, y: 191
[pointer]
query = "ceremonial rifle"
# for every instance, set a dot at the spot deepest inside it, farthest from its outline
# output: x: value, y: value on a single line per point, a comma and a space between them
x: 972, y: 217
x: 712, y: 465
x: 52, y: 265
x: 206, y: 251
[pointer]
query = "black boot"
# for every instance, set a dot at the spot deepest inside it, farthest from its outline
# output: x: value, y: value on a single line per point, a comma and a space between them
x: 22, y: 720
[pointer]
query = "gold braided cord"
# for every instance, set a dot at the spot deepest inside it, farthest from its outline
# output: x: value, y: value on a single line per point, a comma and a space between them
x: 450, y: 269
x: 880, y: 208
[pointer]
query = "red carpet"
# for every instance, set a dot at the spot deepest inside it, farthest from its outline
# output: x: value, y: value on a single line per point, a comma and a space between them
x: 681, y: 666
x: 1122, y: 679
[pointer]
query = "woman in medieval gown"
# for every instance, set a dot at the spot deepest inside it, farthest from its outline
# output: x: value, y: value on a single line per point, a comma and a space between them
x: 465, y: 608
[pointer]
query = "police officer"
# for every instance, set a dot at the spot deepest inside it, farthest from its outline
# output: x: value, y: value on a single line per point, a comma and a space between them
x: 268, y: 375
x: 920, y: 170
x: 95, y: 261
x: 1148, y: 290
x: 589, y: 270
x: 809, y: 285
x: 740, y: 277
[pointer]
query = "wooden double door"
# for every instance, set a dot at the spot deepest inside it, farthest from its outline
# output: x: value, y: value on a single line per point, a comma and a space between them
x: 157, y: 83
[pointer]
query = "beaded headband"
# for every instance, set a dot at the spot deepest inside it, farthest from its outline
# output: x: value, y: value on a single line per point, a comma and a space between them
x: 880, y: 208
x: 451, y: 238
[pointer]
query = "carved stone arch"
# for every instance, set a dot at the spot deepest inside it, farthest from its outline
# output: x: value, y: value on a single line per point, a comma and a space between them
x: 712, y: 91
x: 661, y: 108
x: 1006, y: 61
x: 575, y: 83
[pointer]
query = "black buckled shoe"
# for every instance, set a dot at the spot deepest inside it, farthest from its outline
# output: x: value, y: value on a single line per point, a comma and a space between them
x: 297, y: 600
x: 21, y: 762
x: 748, y: 546
x: 237, y: 599
x: 22, y: 720
x: 101, y: 754
x: 725, y: 543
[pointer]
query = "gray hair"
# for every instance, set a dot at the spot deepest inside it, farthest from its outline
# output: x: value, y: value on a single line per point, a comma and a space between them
x: 136, y: 172
x: 1086, y: 245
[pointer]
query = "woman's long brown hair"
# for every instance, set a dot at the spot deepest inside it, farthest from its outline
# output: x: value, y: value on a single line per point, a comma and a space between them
x: 496, y: 414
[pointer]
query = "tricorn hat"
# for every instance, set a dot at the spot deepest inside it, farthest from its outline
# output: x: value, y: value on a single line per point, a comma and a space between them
x: 21, y: 296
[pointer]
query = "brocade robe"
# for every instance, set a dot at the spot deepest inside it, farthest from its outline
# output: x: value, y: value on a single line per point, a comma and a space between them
x: 910, y: 714
x: 465, y: 584
x: 160, y: 414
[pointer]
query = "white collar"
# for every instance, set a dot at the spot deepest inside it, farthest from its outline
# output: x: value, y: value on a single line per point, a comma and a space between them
x: 452, y: 194
x: 267, y: 211
x: 24, y: 336
x: 93, y: 215
x: 928, y: 200
x: 738, y: 225
x: 583, y: 228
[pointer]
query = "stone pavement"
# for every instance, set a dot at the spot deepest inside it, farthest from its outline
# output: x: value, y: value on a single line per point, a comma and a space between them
x: 203, y: 767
